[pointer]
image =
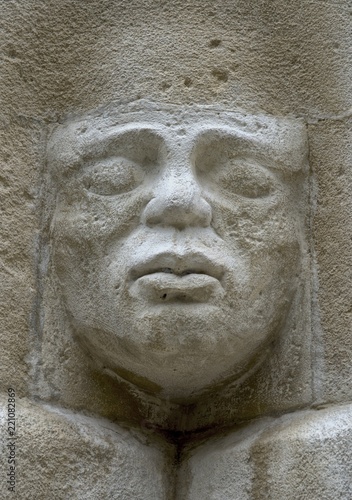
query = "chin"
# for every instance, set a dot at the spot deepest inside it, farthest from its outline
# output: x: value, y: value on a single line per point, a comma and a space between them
x: 179, y: 350
x: 178, y: 353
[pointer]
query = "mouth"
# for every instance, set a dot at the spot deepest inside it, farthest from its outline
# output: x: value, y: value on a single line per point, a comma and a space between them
x: 178, y: 265
x: 175, y: 278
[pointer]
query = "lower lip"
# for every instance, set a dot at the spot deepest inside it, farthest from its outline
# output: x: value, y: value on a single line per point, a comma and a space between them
x: 166, y: 287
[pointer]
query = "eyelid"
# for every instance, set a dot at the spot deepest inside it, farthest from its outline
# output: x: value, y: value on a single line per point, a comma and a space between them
x: 107, y: 178
x: 103, y: 163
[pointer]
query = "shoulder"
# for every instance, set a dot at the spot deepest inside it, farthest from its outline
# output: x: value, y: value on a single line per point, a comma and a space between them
x: 61, y: 454
x: 307, y: 454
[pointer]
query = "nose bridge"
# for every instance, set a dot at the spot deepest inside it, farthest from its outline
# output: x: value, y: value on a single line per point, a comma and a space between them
x: 179, y: 181
x: 178, y: 199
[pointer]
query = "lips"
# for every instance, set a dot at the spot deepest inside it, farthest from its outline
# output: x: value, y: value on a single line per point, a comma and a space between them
x: 179, y: 265
x: 170, y: 277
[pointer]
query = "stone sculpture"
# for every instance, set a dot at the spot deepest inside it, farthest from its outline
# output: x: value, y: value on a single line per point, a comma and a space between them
x: 175, y: 250
x: 178, y: 242
x: 177, y: 238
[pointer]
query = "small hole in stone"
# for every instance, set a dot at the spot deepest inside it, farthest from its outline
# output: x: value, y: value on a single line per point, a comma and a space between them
x: 220, y: 74
x: 164, y: 296
x: 165, y: 86
x: 187, y: 81
x: 214, y: 43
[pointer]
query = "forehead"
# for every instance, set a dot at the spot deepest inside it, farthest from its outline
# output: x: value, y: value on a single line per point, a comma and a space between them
x: 283, y: 140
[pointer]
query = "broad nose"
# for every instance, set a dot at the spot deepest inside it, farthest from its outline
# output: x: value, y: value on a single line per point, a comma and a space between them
x: 178, y: 203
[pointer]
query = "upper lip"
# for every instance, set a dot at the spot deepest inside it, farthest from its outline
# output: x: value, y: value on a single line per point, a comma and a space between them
x: 178, y: 264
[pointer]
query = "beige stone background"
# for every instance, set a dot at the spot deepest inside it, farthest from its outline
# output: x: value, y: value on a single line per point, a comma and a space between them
x: 60, y: 57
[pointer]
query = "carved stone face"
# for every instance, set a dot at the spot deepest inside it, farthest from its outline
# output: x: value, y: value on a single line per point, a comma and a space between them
x: 177, y: 238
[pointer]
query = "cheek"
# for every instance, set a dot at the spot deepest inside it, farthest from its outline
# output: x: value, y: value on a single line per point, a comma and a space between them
x: 83, y: 234
x: 75, y: 262
x: 268, y: 239
x: 95, y: 221
x: 257, y: 226
x: 88, y: 290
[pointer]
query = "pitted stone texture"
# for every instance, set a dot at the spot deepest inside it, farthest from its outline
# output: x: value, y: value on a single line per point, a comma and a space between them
x: 20, y: 154
x: 64, y: 57
x: 331, y: 161
x: 306, y: 456
x: 279, y: 57
x: 61, y: 455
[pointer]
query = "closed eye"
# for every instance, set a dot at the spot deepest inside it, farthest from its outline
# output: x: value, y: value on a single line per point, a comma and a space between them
x: 112, y: 176
x: 245, y: 177
x: 225, y: 164
x: 125, y: 160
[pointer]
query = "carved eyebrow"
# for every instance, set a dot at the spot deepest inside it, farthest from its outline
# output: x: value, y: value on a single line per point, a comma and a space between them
x: 242, y: 138
x: 104, y: 141
x: 273, y: 146
x: 70, y: 149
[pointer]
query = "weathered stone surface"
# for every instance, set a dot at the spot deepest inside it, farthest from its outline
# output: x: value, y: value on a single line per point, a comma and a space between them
x: 19, y: 175
x: 302, y: 455
x: 61, y: 59
x: 62, y: 455
x: 65, y: 56
x: 178, y: 240
x: 330, y: 158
